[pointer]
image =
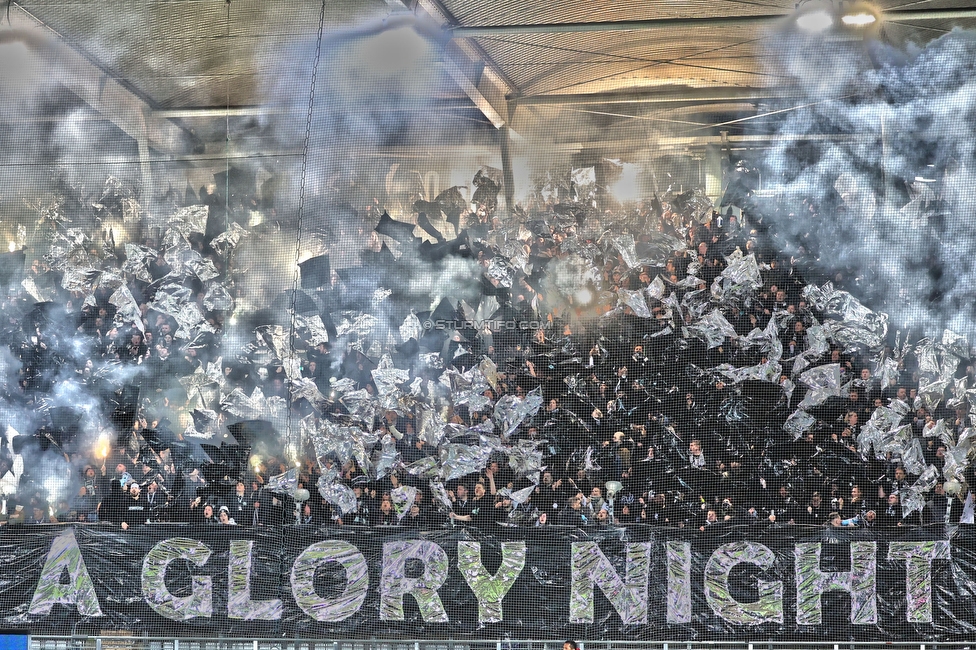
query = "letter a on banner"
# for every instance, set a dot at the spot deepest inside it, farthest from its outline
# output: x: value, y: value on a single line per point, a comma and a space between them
x: 591, y: 567
x: 79, y: 590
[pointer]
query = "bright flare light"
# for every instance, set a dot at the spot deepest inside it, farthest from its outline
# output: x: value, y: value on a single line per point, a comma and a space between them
x: 584, y: 296
x: 102, y: 446
x: 12, y: 246
x: 860, y: 19
x: 815, y: 21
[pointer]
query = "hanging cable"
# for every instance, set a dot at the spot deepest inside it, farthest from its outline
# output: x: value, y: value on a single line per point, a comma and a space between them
x: 301, y: 205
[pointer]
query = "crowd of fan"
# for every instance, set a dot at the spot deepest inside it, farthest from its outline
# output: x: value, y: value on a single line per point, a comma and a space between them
x: 661, y: 436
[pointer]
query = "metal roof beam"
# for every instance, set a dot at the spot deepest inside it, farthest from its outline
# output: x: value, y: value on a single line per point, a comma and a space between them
x: 900, y: 16
x: 473, y: 71
x: 95, y: 86
x: 652, y: 95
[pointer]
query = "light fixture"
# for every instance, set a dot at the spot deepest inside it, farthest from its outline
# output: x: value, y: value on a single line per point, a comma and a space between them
x: 818, y: 20
x: 859, y: 19
x: 818, y: 16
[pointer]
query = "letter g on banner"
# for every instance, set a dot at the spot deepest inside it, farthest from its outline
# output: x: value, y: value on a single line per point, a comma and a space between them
x: 769, y: 607
x: 199, y: 602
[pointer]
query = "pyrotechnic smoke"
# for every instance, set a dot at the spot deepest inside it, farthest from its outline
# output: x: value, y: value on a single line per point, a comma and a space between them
x: 889, y: 169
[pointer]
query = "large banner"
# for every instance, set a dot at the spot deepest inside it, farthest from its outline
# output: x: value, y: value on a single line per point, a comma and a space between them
x: 638, y: 583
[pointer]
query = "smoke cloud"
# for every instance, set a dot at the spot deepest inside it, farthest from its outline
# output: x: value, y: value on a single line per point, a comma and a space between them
x: 876, y: 166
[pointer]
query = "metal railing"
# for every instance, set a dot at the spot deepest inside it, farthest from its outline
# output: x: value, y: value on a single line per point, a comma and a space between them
x: 151, y: 643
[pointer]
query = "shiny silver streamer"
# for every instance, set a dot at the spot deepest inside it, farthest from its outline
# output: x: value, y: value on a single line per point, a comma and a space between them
x: 430, y: 425
x: 911, y: 501
x: 338, y: 494
x: 524, y: 458
x: 439, y: 493
x: 817, y: 344
x: 913, y: 457
x: 627, y: 248
x: 320, y: 554
x: 204, y: 383
x: 217, y: 298
x: 190, y: 322
x: 518, y: 496
x: 386, y: 459
x: 956, y: 461
x: 925, y: 354
x: 955, y: 344
x: 411, y: 328
x: 499, y: 272
x: 894, y: 441
x: 713, y: 328
x: 824, y: 383
x: 928, y: 479
x: 656, y: 289
x: 200, y: 601
x: 314, y: 328
x: 888, y: 370
x: 860, y: 582
x: 278, y: 340
x: 918, y: 557
x: 360, y: 327
x: 489, y: 371
x: 79, y: 591
x: 394, y: 583
x: 239, y: 602
x: 424, y: 467
x: 170, y: 298
x: 510, y: 411
x: 767, y: 339
x: 191, y: 219
x: 770, y: 371
x: 768, y: 608
x: 379, y: 295
x: 387, y: 379
x: 201, y: 267
x: 740, y: 277
x: 798, y: 423
x: 402, y: 498
x: 137, y: 260
x: 460, y: 460
x: 939, y: 430
x: 229, y: 239
x: 285, y: 483
x: 254, y: 407
x: 635, y: 300
x: 679, y: 582
x: 861, y: 324
x: 490, y: 589
x: 590, y: 567
x: 360, y: 405
x: 127, y: 309
x: 306, y: 388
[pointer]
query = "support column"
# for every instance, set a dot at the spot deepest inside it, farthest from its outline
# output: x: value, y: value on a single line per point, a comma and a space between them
x: 713, y: 173
x: 508, y: 176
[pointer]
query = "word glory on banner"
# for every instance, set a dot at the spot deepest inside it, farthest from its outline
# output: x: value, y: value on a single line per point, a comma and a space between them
x: 638, y: 583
